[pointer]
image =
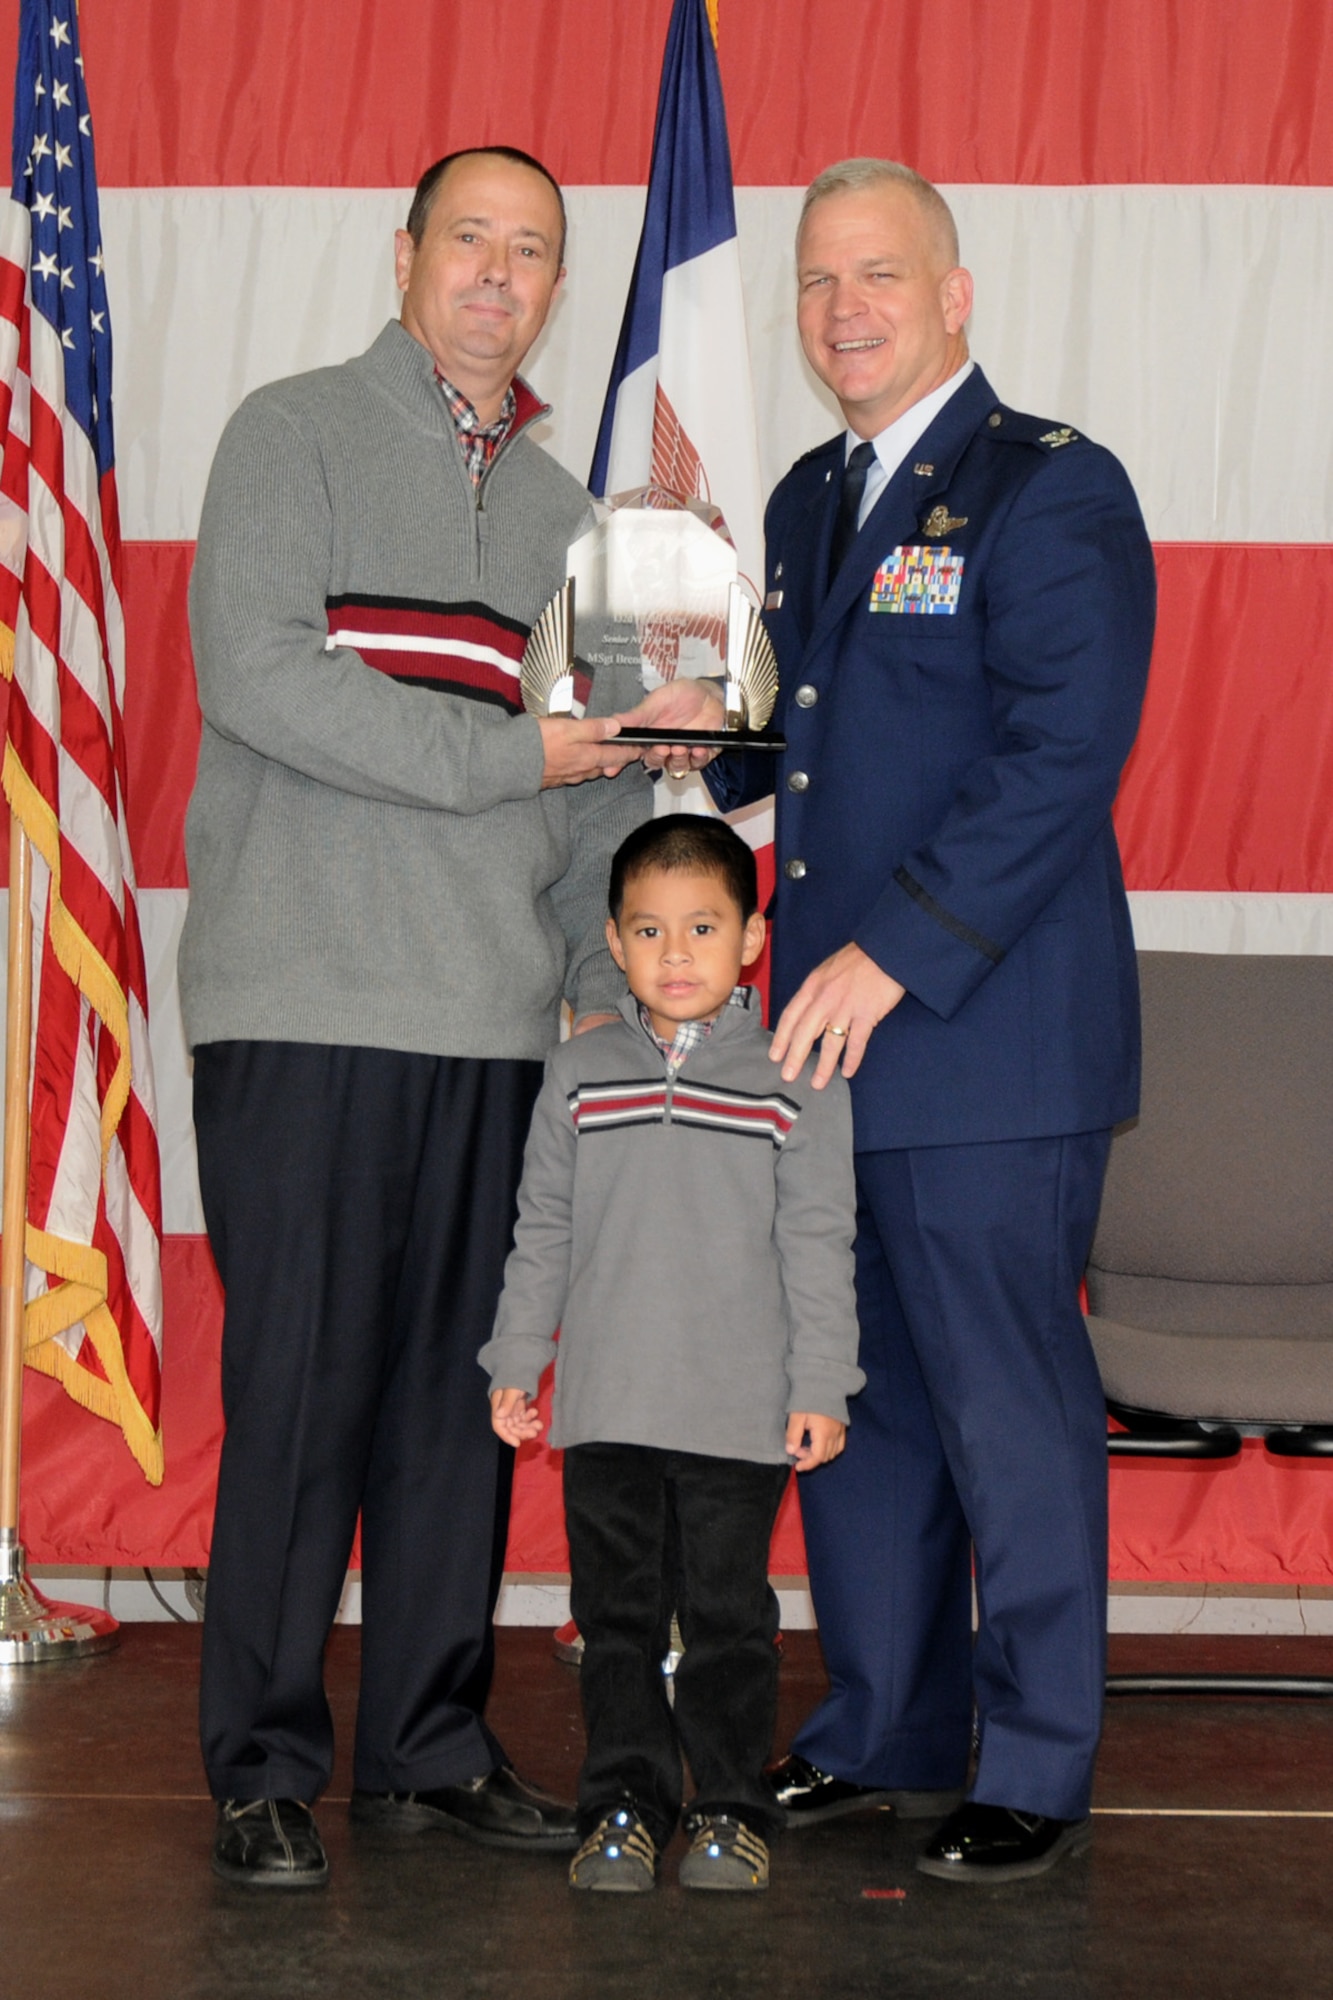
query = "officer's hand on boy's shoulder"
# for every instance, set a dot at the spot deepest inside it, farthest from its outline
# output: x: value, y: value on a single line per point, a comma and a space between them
x: 813, y: 1440
x: 843, y: 1000
x: 514, y: 1416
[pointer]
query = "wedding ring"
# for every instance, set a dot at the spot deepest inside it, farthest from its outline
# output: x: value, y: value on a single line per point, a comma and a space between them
x: 831, y: 1030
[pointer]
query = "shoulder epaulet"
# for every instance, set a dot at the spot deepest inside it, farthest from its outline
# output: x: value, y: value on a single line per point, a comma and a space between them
x: 1016, y: 427
x: 818, y: 450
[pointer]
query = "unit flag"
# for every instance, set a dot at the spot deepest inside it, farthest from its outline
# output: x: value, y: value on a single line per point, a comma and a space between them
x: 679, y: 408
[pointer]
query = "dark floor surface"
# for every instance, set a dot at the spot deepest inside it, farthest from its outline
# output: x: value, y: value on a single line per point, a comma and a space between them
x: 1211, y: 1871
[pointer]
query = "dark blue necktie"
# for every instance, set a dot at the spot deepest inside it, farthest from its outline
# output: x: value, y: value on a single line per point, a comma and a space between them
x: 849, y: 505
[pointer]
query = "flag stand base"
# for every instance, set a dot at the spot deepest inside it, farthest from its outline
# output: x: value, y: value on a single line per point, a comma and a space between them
x: 33, y: 1629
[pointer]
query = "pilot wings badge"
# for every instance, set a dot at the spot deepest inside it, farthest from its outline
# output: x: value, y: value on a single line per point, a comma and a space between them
x: 939, y: 521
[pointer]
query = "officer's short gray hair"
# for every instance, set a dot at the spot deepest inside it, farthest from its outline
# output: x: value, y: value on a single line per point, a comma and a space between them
x: 851, y: 176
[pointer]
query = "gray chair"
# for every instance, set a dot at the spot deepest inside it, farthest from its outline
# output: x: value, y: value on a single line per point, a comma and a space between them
x: 1210, y: 1285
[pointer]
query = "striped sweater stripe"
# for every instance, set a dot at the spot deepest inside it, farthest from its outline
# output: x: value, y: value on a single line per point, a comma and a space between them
x: 464, y: 649
x: 608, y: 1107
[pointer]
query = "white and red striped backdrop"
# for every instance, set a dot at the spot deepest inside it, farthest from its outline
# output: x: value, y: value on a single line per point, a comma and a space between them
x: 1145, y: 192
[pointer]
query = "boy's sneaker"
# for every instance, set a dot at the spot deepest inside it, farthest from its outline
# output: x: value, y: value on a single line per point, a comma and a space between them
x: 618, y: 1854
x: 725, y: 1854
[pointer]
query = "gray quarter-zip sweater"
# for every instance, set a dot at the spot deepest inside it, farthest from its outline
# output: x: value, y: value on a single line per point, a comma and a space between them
x: 372, y: 860
x: 692, y: 1238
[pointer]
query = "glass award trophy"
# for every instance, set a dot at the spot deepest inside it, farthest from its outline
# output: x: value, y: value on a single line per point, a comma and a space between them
x: 653, y: 595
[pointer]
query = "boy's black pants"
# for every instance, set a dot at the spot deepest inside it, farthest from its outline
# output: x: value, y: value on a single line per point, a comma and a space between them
x: 651, y: 1531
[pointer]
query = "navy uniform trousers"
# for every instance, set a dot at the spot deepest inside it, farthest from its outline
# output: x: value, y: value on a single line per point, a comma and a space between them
x: 360, y: 1205
x: 980, y: 1435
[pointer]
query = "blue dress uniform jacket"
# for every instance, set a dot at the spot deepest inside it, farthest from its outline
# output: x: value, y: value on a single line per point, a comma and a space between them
x: 958, y: 707
x: 945, y: 799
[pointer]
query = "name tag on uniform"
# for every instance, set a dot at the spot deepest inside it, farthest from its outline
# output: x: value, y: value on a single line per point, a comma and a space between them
x: 921, y: 582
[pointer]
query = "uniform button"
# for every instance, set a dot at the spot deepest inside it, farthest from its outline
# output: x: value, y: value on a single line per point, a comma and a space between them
x: 794, y: 870
x: 799, y: 781
x: 995, y: 420
x: 806, y: 696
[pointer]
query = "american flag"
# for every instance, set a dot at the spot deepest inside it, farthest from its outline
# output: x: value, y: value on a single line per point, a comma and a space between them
x: 94, y: 1297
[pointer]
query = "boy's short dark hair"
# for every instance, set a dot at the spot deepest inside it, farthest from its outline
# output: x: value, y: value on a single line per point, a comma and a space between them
x: 687, y: 841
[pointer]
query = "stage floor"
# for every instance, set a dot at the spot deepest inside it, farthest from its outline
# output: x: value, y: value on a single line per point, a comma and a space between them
x: 1211, y: 1870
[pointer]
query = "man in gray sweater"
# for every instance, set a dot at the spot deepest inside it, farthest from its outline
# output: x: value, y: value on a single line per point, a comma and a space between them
x: 396, y: 876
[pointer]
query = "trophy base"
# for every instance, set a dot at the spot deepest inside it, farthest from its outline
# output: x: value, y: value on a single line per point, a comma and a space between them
x: 705, y: 739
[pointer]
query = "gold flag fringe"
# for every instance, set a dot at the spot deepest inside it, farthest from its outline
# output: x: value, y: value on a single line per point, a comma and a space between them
x: 81, y: 1294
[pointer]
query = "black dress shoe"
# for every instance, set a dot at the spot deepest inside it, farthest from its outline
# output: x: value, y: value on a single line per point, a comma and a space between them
x: 269, y: 1844
x: 499, y: 1810
x: 981, y: 1843
x: 809, y: 1796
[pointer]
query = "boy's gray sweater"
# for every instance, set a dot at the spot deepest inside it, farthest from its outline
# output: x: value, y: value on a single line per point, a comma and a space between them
x: 372, y: 863
x: 691, y: 1238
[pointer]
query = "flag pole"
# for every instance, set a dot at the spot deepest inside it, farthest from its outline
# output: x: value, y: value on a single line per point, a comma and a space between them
x: 18, y: 1020
x: 32, y: 1628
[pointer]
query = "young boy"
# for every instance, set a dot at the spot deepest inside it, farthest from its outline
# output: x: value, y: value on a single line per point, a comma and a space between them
x: 685, y: 1218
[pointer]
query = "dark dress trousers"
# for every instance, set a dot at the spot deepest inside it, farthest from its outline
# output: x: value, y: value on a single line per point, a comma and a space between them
x: 958, y: 706
x: 360, y: 1205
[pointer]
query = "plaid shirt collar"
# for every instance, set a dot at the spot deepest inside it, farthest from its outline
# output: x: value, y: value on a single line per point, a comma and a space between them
x: 690, y: 1034
x: 479, y: 442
